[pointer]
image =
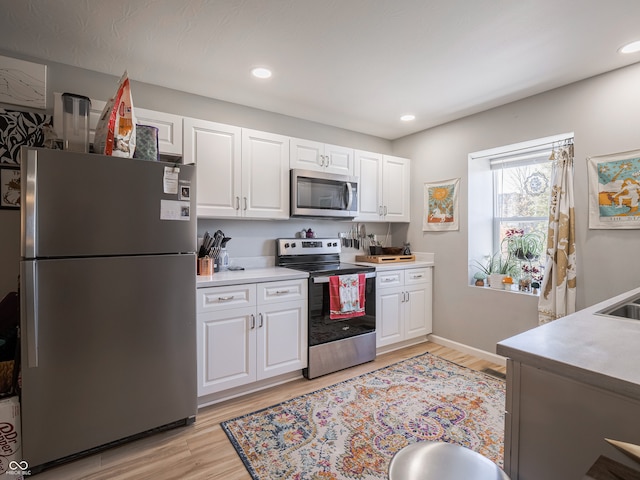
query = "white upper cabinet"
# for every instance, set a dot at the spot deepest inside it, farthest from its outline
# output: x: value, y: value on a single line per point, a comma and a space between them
x: 215, y: 149
x: 396, y: 186
x: 242, y: 173
x: 321, y: 157
x: 265, y: 175
x: 384, y: 188
x: 169, y: 126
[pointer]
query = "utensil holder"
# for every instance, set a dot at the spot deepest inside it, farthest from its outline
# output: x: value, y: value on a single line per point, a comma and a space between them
x: 205, y: 266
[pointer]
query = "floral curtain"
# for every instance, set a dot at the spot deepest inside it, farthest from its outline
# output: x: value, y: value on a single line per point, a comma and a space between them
x: 558, y: 291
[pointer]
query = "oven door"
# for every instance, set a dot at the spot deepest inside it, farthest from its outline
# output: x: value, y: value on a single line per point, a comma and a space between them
x: 322, y: 328
x: 317, y: 194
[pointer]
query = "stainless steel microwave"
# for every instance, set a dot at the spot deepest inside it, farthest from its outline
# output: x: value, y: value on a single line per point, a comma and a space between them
x: 319, y: 194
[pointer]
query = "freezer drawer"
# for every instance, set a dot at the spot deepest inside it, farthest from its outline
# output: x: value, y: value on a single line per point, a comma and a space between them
x: 108, y: 350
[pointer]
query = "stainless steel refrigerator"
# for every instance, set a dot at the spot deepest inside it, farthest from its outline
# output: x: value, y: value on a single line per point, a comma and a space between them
x: 108, y: 337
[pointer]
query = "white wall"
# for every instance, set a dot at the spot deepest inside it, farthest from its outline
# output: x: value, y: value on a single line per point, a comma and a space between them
x: 604, y: 114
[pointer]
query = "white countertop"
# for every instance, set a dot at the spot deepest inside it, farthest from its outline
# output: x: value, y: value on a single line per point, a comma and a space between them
x: 599, y: 350
x: 252, y: 275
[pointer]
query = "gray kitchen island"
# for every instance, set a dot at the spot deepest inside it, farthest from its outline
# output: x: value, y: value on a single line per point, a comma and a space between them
x: 571, y: 384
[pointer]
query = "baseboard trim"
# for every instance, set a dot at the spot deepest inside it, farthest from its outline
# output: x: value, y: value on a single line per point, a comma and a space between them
x: 476, y: 352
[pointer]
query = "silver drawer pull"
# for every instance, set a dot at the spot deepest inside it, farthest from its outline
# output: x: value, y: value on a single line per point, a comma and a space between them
x: 416, y: 276
x: 387, y: 280
x: 282, y: 292
x: 225, y: 299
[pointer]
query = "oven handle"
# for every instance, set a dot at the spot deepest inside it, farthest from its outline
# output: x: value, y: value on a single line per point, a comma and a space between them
x: 326, y: 279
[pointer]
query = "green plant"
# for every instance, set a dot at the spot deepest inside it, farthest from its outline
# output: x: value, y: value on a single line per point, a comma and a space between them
x: 523, y: 246
x: 506, y: 265
x: 497, y: 263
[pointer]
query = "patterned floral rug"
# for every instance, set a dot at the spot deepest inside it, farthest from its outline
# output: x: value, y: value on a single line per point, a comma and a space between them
x: 351, y: 430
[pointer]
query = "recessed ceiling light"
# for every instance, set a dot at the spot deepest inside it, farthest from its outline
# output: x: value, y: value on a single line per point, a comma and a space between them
x: 407, y: 118
x: 261, y: 72
x: 631, y: 47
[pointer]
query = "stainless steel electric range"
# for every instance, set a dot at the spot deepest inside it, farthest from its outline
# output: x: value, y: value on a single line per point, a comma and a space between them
x: 334, y: 343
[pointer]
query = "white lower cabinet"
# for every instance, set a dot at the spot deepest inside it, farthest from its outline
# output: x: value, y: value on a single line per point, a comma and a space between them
x: 250, y: 332
x: 403, y: 305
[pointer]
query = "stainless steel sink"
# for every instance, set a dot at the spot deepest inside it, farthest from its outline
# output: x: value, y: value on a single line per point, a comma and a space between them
x: 629, y: 308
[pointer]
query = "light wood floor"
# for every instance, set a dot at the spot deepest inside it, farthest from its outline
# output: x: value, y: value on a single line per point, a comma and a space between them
x: 202, y: 450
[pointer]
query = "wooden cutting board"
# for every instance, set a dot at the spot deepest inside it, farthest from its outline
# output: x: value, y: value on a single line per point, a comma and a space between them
x: 385, y: 258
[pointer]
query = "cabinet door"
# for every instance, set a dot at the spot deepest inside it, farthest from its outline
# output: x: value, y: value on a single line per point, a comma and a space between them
x: 282, y: 338
x: 389, y: 316
x: 307, y: 155
x: 396, y: 179
x: 215, y: 149
x: 265, y: 175
x: 369, y: 170
x: 169, y: 129
x: 417, y: 304
x: 226, y: 349
x: 339, y: 160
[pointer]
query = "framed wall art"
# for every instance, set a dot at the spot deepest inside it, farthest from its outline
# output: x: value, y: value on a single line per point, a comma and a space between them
x: 614, y: 190
x: 9, y: 187
x: 441, y: 206
x: 24, y: 83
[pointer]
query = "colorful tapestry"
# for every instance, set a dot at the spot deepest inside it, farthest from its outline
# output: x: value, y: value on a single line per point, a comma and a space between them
x: 352, y: 429
x: 614, y: 190
x: 441, y: 205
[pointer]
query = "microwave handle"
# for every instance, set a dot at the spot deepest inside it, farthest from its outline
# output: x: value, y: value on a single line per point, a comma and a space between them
x: 349, y: 195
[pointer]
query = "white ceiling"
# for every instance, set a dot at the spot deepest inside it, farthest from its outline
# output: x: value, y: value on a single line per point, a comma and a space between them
x: 354, y: 64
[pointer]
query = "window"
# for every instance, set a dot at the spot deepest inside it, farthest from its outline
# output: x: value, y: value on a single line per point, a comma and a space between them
x: 509, y: 191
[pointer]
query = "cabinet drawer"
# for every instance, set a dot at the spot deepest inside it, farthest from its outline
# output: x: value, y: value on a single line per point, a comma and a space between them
x: 389, y: 279
x: 222, y: 298
x: 417, y: 275
x: 285, y: 291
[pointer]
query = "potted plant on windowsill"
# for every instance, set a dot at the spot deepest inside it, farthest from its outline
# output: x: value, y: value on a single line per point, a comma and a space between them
x: 523, y: 246
x: 495, y: 268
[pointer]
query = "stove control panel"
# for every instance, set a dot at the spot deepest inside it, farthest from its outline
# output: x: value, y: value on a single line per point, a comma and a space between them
x: 309, y: 246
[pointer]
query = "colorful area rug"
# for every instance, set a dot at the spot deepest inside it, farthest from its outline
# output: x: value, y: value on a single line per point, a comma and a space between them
x: 351, y: 430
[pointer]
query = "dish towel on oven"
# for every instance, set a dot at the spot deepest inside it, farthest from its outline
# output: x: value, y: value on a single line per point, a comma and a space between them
x: 346, y: 296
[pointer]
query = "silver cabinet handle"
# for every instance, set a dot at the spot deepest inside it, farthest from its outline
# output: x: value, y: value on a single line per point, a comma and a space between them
x: 225, y: 299
x: 385, y: 210
x: 281, y: 292
x: 261, y: 321
x: 253, y: 321
x: 387, y: 280
x: 408, y: 297
x: 245, y: 203
x: 416, y: 276
x: 321, y: 160
x: 380, y: 210
x: 237, y: 203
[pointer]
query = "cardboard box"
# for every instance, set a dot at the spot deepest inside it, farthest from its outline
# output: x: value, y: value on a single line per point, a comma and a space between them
x: 11, y: 463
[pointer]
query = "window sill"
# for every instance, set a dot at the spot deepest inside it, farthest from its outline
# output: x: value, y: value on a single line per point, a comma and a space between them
x: 512, y: 290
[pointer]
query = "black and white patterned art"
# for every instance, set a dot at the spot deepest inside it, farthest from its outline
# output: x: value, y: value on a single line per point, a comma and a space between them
x: 18, y: 129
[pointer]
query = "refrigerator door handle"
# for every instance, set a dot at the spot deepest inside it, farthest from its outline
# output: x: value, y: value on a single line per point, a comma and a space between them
x: 30, y: 312
x: 29, y: 214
